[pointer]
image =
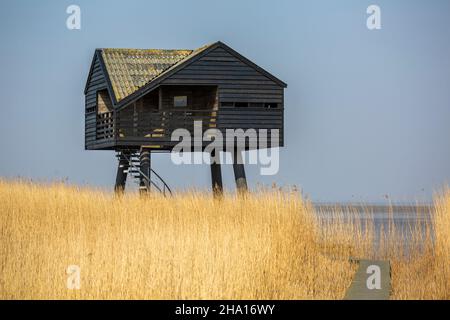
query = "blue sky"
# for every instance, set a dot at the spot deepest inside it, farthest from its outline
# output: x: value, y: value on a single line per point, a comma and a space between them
x: 367, y: 112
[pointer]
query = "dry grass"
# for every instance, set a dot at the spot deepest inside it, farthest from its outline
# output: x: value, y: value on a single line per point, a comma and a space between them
x: 264, y: 246
x: 425, y: 274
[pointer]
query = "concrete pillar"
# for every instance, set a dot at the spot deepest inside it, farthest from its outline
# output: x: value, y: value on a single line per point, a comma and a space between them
x: 239, y: 172
x: 145, y: 167
x: 121, y: 177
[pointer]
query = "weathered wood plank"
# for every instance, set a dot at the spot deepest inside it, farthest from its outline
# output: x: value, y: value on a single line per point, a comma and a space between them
x: 372, y: 281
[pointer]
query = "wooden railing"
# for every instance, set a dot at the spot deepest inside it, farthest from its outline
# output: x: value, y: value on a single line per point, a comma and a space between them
x: 105, y: 126
x: 159, y: 125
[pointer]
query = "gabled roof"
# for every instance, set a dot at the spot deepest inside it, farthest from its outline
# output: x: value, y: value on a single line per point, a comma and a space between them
x: 131, y: 69
x: 131, y: 73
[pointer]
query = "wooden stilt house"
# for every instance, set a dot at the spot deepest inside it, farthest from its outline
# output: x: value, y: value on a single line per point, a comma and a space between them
x: 135, y: 98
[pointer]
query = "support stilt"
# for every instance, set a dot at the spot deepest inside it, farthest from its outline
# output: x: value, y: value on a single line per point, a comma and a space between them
x: 216, y: 176
x: 145, y: 167
x: 122, y: 172
x: 239, y: 172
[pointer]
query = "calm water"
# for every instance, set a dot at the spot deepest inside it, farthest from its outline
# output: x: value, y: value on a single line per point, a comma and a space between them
x: 404, y: 219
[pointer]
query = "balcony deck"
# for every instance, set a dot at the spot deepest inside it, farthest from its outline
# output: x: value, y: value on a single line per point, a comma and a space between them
x: 155, y: 128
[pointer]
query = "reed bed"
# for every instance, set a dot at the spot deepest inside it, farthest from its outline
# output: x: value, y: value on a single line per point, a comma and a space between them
x: 266, y: 245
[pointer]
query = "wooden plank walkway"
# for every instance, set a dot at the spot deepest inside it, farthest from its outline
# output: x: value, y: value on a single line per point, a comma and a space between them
x: 372, y: 281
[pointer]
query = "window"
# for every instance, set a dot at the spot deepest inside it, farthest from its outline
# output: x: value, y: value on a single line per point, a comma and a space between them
x: 256, y: 105
x: 180, y: 101
x: 267, y: 105
x: 270, y: 105
x: 90, y: 110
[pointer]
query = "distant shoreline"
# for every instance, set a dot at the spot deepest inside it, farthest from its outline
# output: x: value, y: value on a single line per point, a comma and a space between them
x: 361, y: 207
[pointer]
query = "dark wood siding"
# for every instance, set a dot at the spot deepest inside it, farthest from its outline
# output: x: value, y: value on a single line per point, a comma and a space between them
x: 198, y: 97
x: 239, y: 96
x: 96, y: 82
x: 254, y: 118
x: 236, y: 80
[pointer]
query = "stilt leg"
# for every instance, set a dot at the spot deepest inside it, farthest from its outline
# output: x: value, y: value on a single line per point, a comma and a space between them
x: 145, y: 165
x: 121, y: 177
x: 239, y: 172
x: 216, y: 177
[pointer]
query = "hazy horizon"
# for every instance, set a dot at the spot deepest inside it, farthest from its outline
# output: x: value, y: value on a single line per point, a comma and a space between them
x: 366, y: 112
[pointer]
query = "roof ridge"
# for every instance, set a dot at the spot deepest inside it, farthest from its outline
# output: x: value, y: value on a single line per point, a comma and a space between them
x: 162, y: 49
x: 144, y: 49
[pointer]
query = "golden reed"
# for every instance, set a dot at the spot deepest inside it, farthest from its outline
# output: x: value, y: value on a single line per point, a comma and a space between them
x: 267, y: 245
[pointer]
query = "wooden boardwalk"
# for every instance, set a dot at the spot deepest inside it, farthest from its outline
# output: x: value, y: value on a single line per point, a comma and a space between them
x: 372, y: 281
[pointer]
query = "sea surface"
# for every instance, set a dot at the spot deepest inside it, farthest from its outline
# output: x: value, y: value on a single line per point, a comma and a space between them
x: 404, y: 219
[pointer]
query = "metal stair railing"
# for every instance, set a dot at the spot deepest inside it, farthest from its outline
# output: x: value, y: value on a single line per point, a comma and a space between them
x: 138, y: 170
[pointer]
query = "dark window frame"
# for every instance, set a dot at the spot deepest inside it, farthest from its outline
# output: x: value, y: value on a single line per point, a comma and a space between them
x: 184, y: 99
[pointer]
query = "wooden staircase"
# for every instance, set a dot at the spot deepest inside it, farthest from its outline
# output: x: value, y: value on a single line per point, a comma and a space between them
x: 130, y: 162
